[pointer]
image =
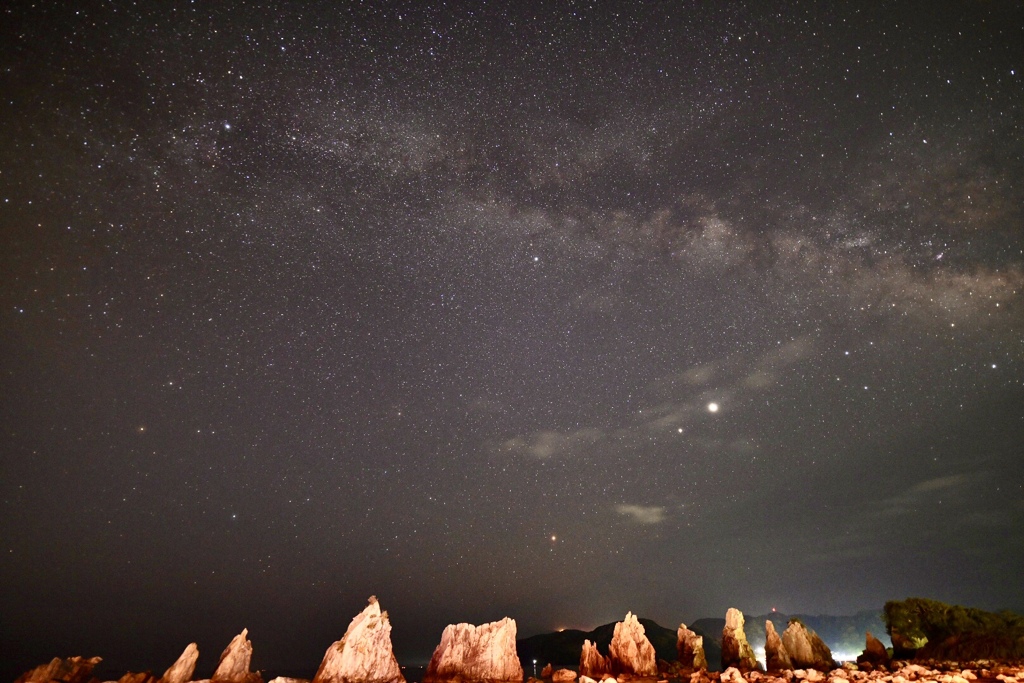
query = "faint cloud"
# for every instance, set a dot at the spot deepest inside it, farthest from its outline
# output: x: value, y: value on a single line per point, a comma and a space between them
x: 702, y: 374
x: 940, y: 483
x: 642, y: 514
x: 549, y: 443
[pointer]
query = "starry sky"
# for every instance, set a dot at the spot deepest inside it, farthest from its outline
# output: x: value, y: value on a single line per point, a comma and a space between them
x: 551, y: 312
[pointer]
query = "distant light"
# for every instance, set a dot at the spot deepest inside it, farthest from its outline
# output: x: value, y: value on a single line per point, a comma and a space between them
x: 680, y: 430
x: 227, y: 126
x: 712, y: 407
x: 553, y: 537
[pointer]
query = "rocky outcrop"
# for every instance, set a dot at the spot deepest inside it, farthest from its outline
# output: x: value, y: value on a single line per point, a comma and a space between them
x: 70, y: 670
x: 548, y: 671
x: 874, y: 653
x: 630, y: 652
x: 476, y: 653
x: 806, y: 649
x: 736, y: 651
x: 364, y: 654
x: 690, y: 649
x: 775, y: 654
x: 234, y: 662
x: 181, y: 671
x: 285, y: 679
x: 563, y: 676
x: 592, y: 662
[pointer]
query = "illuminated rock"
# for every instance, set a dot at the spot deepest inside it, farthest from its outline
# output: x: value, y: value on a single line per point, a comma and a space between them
x: 874, y: 652
x: 142, y: 677
x: 563, y: 676
x: 364, y: 653
x: 476, y: 653
x: 234, y: 662
x: 776, y: 656
x: 736, y: 651
x: 181, y: 671
x: 806, y: 649
x: 592, y: 662
x: 70, y: 670
x: 630, y: 651
x: 690, y: 649
x: 548, y: 671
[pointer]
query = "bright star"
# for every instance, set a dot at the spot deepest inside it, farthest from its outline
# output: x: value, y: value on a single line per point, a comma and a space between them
x: 712, y: 407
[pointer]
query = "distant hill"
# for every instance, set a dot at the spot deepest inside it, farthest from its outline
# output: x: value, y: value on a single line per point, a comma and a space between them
x: 563, y: 647
x: 843, y: 634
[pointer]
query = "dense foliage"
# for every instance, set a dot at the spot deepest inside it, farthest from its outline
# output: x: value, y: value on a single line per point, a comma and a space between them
x: 938, y: 627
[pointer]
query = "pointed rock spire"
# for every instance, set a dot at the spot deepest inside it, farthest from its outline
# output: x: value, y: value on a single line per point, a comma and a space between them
x: 592, y: 662
x: 690, y: 649
x: 775, y: 654
x: 736, y: 651
x: 234, y: 662
x: 630, y: 651
x: 181, y: 671
x: 364, y: 654
x: 806, y: 648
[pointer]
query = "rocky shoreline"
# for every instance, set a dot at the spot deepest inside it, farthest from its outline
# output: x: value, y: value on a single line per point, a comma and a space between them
x: 486, y: 653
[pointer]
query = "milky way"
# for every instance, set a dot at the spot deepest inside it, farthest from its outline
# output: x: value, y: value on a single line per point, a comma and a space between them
x: 487, y: 311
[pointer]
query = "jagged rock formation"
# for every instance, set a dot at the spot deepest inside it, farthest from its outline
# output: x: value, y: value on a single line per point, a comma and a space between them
x: 234, y: 662
x: 775, y: 654
x: 181, y: 671
x: 364, y: 654
x: 630, y: 651
x: 736, y: 651
x: 70, y: 670
x: 476, y: 653
x: 563, y: 676
x: 548, y: 671
x: 806, y: 649
x: 592, y: 662
x: 690, y: 648
x: 874, y: 652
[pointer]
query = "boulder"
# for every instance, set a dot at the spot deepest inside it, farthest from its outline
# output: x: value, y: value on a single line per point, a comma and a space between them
x: 592, y: 662
x: 732, y: 675
x: 476, y: 653
x: 70, y: 670
x: 234, y: 662
x: 364, y: 654
x: 690, y: 648
x: 630, y: 651
x: 586, y: 679
x: 142, y: 677
x: 874, y: 652
x: 806, y: 649
x: 736, y: 651
x: 548, y: 671
x: 285, y: 679
x: 775, y: 654
x: 181, y: 671
x: 563, y: 676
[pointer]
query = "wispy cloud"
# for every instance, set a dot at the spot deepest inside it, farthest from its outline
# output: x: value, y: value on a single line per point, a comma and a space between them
x: 642, y: 514
x: 550, y: 443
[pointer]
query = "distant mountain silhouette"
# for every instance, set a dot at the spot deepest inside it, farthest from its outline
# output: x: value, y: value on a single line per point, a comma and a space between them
x: 843, y: 634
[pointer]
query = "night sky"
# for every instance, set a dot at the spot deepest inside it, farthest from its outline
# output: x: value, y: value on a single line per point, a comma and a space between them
x: 489, y: 310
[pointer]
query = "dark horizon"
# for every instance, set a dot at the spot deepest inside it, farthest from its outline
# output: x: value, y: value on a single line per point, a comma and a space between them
x: 554, y: 312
